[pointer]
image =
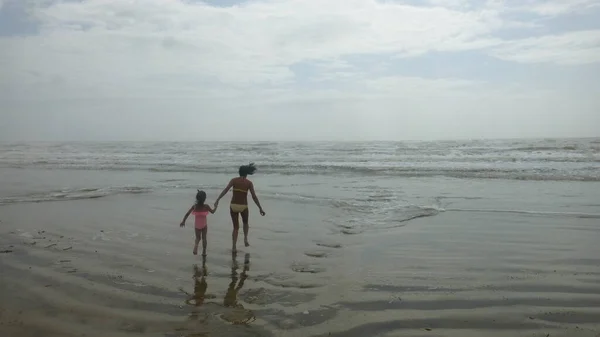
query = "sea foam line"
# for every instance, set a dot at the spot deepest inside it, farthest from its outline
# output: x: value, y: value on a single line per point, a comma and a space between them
x: 518, y: 211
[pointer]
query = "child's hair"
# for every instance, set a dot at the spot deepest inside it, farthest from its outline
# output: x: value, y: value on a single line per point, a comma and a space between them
x: 247, y: 170
x: 200, y: 198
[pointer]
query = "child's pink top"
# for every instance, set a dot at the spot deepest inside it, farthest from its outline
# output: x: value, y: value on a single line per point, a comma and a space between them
x: 200, y: 222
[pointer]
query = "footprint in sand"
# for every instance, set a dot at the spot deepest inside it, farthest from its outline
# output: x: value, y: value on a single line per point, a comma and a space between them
x: 329, y: 244
x: 66, y: 266
x: 316, y: 253
x: 351, y: 231
x: 292, y: 284
x: 301, y: 267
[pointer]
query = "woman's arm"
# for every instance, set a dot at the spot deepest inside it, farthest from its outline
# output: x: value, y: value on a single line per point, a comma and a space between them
x: 255, y: 198
x: 227, y: 188
x: 182, y: 224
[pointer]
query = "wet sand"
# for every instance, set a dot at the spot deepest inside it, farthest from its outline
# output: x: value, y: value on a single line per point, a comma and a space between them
x: 121, y: 266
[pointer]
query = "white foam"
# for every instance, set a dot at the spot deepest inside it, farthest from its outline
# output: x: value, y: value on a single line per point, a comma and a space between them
x: 565, y: 214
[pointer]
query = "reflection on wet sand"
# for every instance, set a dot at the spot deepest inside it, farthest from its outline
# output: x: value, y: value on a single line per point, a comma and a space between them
x: 237, y: 314
x: 200, y: 285
x: 231, y: 310
x: 230, y: 299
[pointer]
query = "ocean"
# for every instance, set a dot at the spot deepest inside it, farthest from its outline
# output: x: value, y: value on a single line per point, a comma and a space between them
x: 444, y: 238
x: 548, y: 159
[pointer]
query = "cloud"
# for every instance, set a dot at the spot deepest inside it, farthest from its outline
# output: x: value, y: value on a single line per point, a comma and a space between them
x: 573, y: 48
x: 243, y: 45
x: 339, y: 58
x: 555, y: 7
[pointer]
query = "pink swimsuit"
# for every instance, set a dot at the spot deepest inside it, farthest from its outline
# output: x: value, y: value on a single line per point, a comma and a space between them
x: 200, y: 219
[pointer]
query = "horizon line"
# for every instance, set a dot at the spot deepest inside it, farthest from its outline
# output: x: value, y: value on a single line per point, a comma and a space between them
x: 303, y: 141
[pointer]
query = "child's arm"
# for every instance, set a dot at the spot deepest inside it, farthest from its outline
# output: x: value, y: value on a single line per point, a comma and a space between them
x: 182, y: 224
x: 211, y: 210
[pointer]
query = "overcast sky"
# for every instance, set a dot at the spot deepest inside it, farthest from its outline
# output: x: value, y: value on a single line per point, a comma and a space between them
x: 298, y: 69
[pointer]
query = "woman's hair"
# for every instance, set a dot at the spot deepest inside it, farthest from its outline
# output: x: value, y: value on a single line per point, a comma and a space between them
x: 247, y: 170
x: 200, y: 198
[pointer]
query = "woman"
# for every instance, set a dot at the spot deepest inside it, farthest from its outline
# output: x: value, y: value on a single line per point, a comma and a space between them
x: 239, y: 202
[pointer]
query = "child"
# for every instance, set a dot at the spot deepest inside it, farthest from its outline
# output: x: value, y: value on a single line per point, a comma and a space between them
x: 200, y: 211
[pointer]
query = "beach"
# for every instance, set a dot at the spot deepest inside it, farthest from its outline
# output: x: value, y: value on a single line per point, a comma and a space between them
x: 450, y: 239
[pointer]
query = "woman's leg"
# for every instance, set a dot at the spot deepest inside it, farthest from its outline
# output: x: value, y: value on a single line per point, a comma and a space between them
x: 198, y: 237
x: 236, y: 227
x: 245, y: 214
x: 204, y: 240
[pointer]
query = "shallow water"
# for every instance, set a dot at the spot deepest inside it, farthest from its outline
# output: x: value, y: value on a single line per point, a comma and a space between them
x: 100, y: 252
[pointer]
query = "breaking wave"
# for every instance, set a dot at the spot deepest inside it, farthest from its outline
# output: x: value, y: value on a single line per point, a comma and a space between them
x: 527, y: 212
x: 569, y: 160
x: 380, y: 217
x: 73, y: 194
x: 586, y: 173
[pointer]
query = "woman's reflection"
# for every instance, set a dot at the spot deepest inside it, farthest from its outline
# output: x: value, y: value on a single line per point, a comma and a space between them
x: 231, y: 295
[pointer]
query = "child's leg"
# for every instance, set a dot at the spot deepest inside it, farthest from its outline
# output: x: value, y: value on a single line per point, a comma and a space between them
x: 245, y: 214
x: 198, y: 237
x: 204, y: 240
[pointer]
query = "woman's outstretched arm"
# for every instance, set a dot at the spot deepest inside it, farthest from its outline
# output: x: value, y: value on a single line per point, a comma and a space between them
x: 225, y: 190
x: 255, y: 198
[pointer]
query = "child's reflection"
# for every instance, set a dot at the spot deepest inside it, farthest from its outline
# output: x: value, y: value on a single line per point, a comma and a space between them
x: 200, y: 285
x: 230, y: 299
